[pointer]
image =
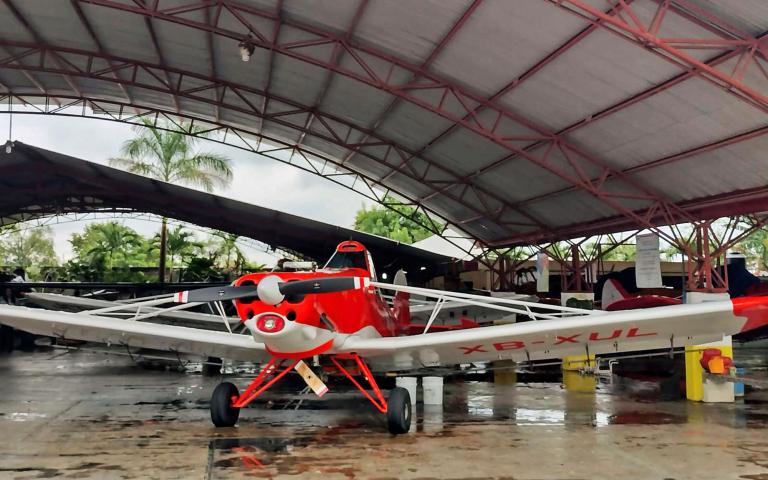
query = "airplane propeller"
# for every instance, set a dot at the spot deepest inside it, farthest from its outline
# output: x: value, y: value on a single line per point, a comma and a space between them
x: 271, y: 290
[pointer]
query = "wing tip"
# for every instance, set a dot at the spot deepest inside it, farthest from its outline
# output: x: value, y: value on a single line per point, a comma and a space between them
x: 755, y: 309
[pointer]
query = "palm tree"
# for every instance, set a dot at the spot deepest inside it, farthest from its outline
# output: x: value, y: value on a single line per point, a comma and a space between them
x: 181, y: 243
x: 228, y: 252
x: 171, y: 156
x: 109, y: 239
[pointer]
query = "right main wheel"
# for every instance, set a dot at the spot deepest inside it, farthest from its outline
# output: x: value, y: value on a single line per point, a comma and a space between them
x: 399, y: 411
x: 223, y: 414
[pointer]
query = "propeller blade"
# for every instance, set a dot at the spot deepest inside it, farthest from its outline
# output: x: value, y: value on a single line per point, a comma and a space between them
x: 271, y: 290
x: 321, y: 285
x: 215, y: 294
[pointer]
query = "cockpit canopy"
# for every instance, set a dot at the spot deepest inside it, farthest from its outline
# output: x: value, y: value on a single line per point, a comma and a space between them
x: 351, y: 254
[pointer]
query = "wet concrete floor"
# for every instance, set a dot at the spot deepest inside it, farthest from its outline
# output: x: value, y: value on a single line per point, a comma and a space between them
x: 82, y: 415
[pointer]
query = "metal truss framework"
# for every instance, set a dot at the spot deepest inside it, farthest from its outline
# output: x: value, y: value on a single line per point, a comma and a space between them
x: 268, y: 147
x: 576, y: 259
x: 371, y: 66
x: 703, y: 244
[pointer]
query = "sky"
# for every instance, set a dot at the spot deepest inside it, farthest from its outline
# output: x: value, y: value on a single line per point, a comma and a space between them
x: 257, y: 179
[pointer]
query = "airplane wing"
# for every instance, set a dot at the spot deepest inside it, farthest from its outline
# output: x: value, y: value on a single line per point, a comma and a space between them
x: 112, y: 331
x: 606, y: 332
x: 55, y: 301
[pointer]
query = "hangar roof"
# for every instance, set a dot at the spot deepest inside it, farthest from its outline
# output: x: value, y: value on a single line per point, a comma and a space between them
x: 515, y: 121
x: 46, y: 183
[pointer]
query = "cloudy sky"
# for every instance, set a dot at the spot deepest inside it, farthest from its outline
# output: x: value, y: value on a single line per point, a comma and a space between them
x: 258, y: 180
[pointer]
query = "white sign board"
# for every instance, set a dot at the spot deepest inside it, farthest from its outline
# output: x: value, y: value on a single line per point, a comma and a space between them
x: 648, y: 262
x: 542, y: 272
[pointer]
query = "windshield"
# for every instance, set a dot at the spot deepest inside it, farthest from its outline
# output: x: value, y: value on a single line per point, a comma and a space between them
x: 341, y: 260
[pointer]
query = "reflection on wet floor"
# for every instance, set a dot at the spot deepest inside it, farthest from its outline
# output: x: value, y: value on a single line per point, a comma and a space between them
x: 98, y: 417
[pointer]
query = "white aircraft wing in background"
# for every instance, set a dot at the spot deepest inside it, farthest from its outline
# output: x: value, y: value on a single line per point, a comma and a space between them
x: 598, y: 333
x: 133, y: 334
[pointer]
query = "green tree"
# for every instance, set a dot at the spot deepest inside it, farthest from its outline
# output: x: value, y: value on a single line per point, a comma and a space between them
x: 31, y: 249
x: 172, y: 157
x: 395, y: 223
x: 755, y: 248
x: 622, y: 253
x: 226, y: 254
x: 106, y: 246
x: 181, y: 245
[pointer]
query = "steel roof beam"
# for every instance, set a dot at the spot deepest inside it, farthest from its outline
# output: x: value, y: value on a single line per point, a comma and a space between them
x: 590, y: 119
x: 159, y: 51
x: 39, y: 39
x: 424, y: 66
x: 675, y: 48
x: 557, y: 52
x: 100, y: 46
x: 271, y: 62
x: 742, y: 137
x: 335, y: 57
x: 741, y: 202
x: 212, y: 54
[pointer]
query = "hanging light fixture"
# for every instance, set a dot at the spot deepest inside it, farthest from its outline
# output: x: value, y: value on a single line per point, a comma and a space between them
x: 246, y: 49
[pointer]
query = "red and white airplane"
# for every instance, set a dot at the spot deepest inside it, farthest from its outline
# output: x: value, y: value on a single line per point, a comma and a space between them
x: 336, y: 318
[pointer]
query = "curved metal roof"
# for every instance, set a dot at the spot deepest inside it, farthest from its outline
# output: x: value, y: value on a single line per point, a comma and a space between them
x: 515, y: 121
x: 46, y: 183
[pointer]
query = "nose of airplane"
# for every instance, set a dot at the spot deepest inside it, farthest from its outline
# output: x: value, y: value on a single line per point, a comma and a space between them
x: 284, y: 338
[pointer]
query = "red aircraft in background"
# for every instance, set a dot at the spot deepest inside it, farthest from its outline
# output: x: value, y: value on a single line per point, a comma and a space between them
x: 336, y: 318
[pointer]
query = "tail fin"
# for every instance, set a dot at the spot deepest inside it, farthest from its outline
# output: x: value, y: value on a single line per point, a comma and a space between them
x: 401, y: 304
x: 613, y: 291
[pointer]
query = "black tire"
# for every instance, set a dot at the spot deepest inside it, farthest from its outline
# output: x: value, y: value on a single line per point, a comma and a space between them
x: 212, y: 367
x: 399, y: 411
x: 223, y: 414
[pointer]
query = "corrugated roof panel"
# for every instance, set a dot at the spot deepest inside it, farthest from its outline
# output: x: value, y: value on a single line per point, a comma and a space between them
x: 352, y: 101
x: 335, y: 15
x: 600, y: 71
x: 465, y: 152
x: 412, y: 126
x: 296, y: 80
x: 368, y: 166
x: 121, y: 33
x: 748, y: 15
x: 688, y: 115
x: 328, y: 149
x: 571, y: 208
x: 504, y: 33
x: 407, y: 184
x: 737, y: 167
x: 280, y: 132
x: 519, y: 180
x: 483, y: 228
x: 406, y: 28
x: 49, y: 24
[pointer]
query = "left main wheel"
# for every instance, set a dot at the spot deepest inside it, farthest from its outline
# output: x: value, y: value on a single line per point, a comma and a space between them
x: 223, y: 414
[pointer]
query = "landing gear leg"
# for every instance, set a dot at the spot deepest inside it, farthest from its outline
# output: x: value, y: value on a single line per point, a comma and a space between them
x: 226, y: 401
x: 397, y: 408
